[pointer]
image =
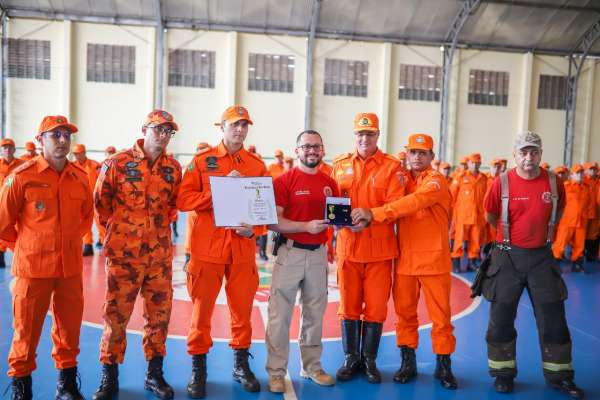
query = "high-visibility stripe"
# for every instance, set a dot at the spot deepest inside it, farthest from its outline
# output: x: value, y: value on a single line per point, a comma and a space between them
x: 557, y: 367
x: 502, y: 364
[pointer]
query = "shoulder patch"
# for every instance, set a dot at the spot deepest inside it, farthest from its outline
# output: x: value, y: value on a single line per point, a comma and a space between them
x: 342, y: 157
x: 22, y: 167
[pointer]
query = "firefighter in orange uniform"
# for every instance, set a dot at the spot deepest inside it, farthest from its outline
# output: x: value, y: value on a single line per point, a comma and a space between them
x: 92, y: 169
x: 277, y: 168
x: 288, y: 163
x: 30, y: 151
x: 45, y: 208
x: 401, y: 156
x: 109, y: 151
x: 468, y: 191
x: 545, y: 165
x: 424, y: 262
x: 435, y: 164
x: 495, y: 167
x: 218, y: 252
x: 572, y: 225
x: 135, y: 199
x: 370, y: 178
x: 8, y: 162
x: 562, y: 172
x: 592, y: 234
x: 461, y: 169
x: 444, y: 169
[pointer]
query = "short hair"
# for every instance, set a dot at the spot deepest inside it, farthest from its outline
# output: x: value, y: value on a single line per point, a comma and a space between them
x: 308, y: 132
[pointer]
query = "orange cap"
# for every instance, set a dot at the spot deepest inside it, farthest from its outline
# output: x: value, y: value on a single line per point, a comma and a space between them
x: 577, y: 168
x: 436, y: 162
x: 29, y: 146
x: 590, y: 165
x: 78, y: 148
x: 503, y: 160
x: 51, y: 122
x: 496, y: 161
x: 233, y: 114
x: 445, y: 165
x: 561, y: 169
x: 402, y: 155
x: 278, y: 153
x: 7, y: 142
x: 159, y: 117
x: 545, y: 165
x: 251, y: 149
x: 420, y: 141
x: 474, y: 157
x: 366, y: 122
x: 288, y: 159
x: 464, y: 160
x: 110, y: 149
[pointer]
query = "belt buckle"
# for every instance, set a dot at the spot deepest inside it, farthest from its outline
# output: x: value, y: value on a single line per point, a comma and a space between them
x: 504, y: 247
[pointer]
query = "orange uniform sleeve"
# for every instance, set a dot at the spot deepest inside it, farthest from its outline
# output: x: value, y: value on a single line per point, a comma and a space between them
x: 193, y: 196
x: 104, y: 192
x: 12, y: 198
x: 87, y: 212
x: 430, y: 192
x: 175, y: 194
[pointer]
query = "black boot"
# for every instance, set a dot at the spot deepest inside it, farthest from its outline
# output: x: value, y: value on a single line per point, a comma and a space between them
x: 408, y: 369
x: 98, y: 244
x: 67, y: 387
x: 351, y: 331
x: 577, y: 265
x: 109, y: 384
x: 504, y: 384
x: 88, y: 250
x: 196, y: 387
x: 242, y: 372
x: 568, y: 387
x: 443, y: 371
x: 370, y: 345
x: 473, y: 264
x: 21, y: 388
x: 262, y: 245
x: 155, y: 382
x: 456, y: 265
x: 2, y: 262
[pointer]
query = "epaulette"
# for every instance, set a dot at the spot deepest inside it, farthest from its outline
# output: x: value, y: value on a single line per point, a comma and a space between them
x: 390, y: 157
x: 22, y: 167
x: 434, y: 173
x: 342, y: 157
x: 203, y: 151
x: 256, y: 156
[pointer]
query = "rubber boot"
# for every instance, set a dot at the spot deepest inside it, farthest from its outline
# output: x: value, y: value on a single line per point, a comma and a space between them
x: 370, y: 345
x: 155, y: 381
x: 196, y: 387
x: 67, y: 387
x: 242, y: 372
x: 351, y: 332
x: 577, y: 265
x: 408, y: 369
x: 568, y: 387
x: 443, y: 371
x: 109, y: 384
x: 21, y: 388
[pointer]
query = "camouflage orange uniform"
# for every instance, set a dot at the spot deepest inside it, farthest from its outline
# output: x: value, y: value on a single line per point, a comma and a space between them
x: 134, y: 201
x: 5, y: 169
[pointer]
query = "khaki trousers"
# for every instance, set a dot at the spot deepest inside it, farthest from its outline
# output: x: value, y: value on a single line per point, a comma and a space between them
x: 305, y: 270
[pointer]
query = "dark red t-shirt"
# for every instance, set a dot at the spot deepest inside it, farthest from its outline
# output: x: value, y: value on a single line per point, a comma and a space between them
x: 529, y: 208
x: 302, y: 197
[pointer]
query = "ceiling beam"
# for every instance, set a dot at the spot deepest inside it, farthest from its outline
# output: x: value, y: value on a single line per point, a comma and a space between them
x: 547, y: 6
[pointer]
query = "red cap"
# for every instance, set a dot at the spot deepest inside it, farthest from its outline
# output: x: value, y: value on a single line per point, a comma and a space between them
x: 7, y: 142
x: 29, y: 146
x: 545, y: 165
x: 577, y: 168
x: 110, y: 149
x: 590, y: 165
x: 475, y: 157
x: 51, y: 122
x: 561, y: 169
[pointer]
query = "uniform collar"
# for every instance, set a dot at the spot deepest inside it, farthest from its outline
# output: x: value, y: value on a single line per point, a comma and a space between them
x: 222, y: 151
x: 138, y: 150
x: 42, y: 165
x: 377, y: 157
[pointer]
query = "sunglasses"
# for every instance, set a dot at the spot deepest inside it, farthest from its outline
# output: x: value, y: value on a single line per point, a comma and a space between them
x: 56, y: 135
x: 163, y: 130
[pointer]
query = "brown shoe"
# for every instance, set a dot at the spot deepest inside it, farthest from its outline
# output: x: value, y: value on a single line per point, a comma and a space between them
x: 319, y: 377
x: 276, y: 384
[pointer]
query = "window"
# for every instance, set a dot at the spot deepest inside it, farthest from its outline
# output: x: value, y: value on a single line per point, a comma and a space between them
x: 110, y: 63
x: 419, y: 82
x: 28, y: 59
x: 271, y: 72
x: 488, y: 88
x: 553, y: 92
x: 192, y: 68
x: 346, y: 78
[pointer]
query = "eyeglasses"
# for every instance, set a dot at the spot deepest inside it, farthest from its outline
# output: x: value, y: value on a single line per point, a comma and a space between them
x: 308, y: 147
x: 368, y: 135
x: 163, y: 130
x: 56, y: 135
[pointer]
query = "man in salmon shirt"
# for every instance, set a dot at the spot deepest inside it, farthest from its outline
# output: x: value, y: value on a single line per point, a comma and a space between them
x: 8, y: 162
x: 135, y: 200
x: 277, y: 168
x: 91, y: 168
x: 424, y: 263
x: 45, y: 208
x: 572, y: 225
x: 370, y: 178
x: 29, y: 151
x: 218, y: 252
x: 524, y: 205
x: 468, y: 192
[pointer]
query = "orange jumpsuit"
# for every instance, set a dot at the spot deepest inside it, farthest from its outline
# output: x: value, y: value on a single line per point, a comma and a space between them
x: 365, y: 258
x: 5, y: 170
x: 572, y: 225
x: 44, y: 214
x: 27, y: 157
x: 468, y: 192
x: 91, y: 168
x: 217, y: 252
x: 135, y: 201
x: 275, y: 170
x: 424, y: 263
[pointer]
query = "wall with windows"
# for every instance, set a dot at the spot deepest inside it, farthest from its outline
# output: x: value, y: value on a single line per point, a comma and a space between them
x: 102, y: 77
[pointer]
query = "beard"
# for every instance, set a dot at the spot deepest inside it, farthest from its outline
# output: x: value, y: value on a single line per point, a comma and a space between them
x: 310, y: 164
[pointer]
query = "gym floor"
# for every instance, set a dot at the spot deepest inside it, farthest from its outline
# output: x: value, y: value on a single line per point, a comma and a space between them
x: 469, y: 361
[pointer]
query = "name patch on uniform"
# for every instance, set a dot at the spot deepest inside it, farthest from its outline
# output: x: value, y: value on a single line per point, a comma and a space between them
x: 211, y: 162
x: 133, y: 172
x: 169, y: 178
x: 132, y: 164
x: 130, y: 179
x: 166, y: 170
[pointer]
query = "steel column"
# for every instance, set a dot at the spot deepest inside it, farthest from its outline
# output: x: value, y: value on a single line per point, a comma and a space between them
x: 160, y: 56
x: 310, y: 53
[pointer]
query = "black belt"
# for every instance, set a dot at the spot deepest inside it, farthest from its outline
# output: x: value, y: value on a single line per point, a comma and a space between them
x: 303, y: 246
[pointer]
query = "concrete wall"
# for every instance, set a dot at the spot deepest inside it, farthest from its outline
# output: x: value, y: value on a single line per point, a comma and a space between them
x: 111, y: 114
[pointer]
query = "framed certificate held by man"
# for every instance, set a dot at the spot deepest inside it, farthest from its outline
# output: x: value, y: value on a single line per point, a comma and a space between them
x: 238, y: 200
